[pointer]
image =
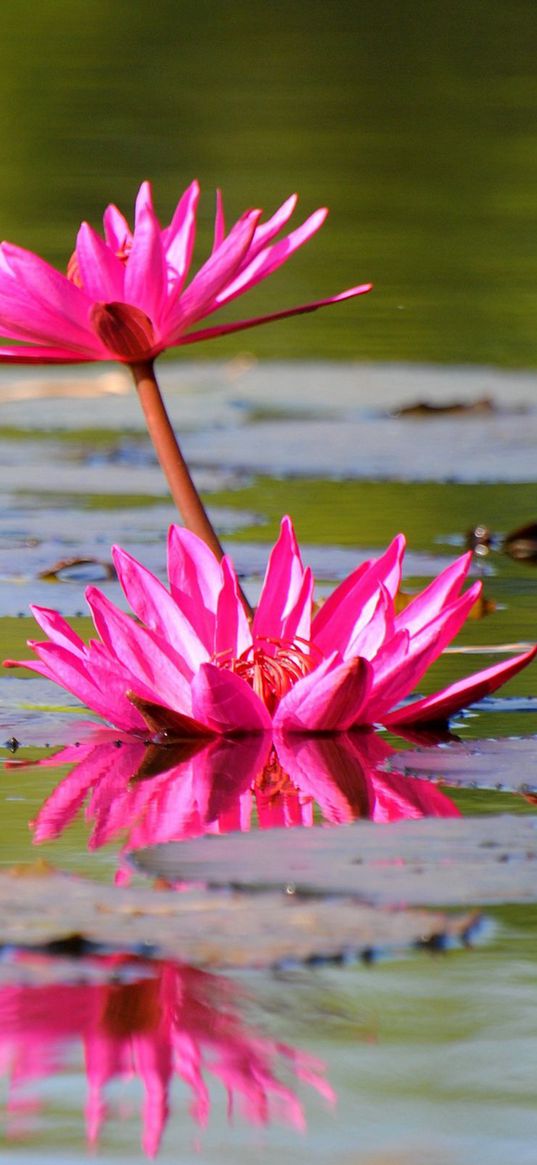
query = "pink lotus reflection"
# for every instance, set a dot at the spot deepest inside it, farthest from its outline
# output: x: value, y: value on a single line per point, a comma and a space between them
x: 159, y: 794
x: 163, y: 1021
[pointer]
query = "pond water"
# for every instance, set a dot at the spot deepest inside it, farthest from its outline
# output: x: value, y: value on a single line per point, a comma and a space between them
x: 413, y: 1041
x: 415, y: 125
x: 400, y: 1053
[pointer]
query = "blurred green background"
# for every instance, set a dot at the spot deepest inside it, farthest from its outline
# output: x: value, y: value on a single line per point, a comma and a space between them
x: 415, y: 123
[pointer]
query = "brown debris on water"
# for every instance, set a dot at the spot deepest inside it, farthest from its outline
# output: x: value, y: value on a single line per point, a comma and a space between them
x: 483, y: 406
x: 65, y: 569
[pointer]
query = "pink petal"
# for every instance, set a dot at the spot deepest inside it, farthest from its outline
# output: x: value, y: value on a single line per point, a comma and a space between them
x: 167, y: 725
x: 226, y: 703
x: 282, y: 586
x: 219, y: 269
x: 268, y: 260
x: 117, y: 231
x: 137, y: 649
x: 195, y: 580
x: 232, y: 630
x: 266, y: 231
x: 155, y: 607
x: 328, y: 700
x: 178, y: 239
x: 442, y: 705
x: 297, y: 624
x: 42, y: 303
x: 393, y: 682
x: 441, y: 591
x: 377, y: 631
x: 219, y: 223
x: 145, y: 272
x: 22, y: 318
x: 348, y: 610
x: 99, y: 686
x: 57, y: 629
x: 241, y: 325
x: 101, y: 272
x: 39, y: 355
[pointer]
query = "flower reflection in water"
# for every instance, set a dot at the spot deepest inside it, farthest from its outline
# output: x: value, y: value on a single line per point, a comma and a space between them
x: 154, y: 1022
x: 165, y: 1020
x: 156, y: 794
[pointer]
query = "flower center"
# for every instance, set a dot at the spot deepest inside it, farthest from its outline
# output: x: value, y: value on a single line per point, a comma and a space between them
x: 272, y: 666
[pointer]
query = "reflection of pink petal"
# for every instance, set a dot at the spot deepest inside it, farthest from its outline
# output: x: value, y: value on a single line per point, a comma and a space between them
x: 164, y: 1021
x: 343, y: 776
x: 160, y: 794
x: 396, y: 799
x: 173, y: 796
x: 102, y: 763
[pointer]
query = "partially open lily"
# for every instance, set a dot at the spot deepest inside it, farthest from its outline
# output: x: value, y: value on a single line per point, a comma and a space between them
x: 192, y: 665
x: 127, y: 297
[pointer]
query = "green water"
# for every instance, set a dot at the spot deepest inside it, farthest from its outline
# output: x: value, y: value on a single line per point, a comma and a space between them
x: 415, y: 124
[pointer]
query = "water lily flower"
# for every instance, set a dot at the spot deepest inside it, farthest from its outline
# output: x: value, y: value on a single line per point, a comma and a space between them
x: 192, y: 665
x: 128, y: 297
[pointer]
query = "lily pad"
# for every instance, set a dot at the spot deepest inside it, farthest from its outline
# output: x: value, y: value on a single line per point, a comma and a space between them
x: 440, y: 861
x: 207, y: 928
x: 508, y: 764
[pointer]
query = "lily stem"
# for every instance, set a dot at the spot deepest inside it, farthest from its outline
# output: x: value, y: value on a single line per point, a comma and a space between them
x: 173, y: 464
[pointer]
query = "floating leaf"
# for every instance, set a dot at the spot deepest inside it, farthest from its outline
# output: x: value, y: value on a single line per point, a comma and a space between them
x: 208, y: 928
x: 508, y: 765
x: 448, y: 862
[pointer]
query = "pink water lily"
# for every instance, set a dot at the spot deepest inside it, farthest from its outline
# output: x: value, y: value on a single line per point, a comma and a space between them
x: 129, y: 295
x: 193, y: 665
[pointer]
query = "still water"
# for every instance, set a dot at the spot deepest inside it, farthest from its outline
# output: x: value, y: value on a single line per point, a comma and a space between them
x: 416, y: 126
x: 424, y: 1056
